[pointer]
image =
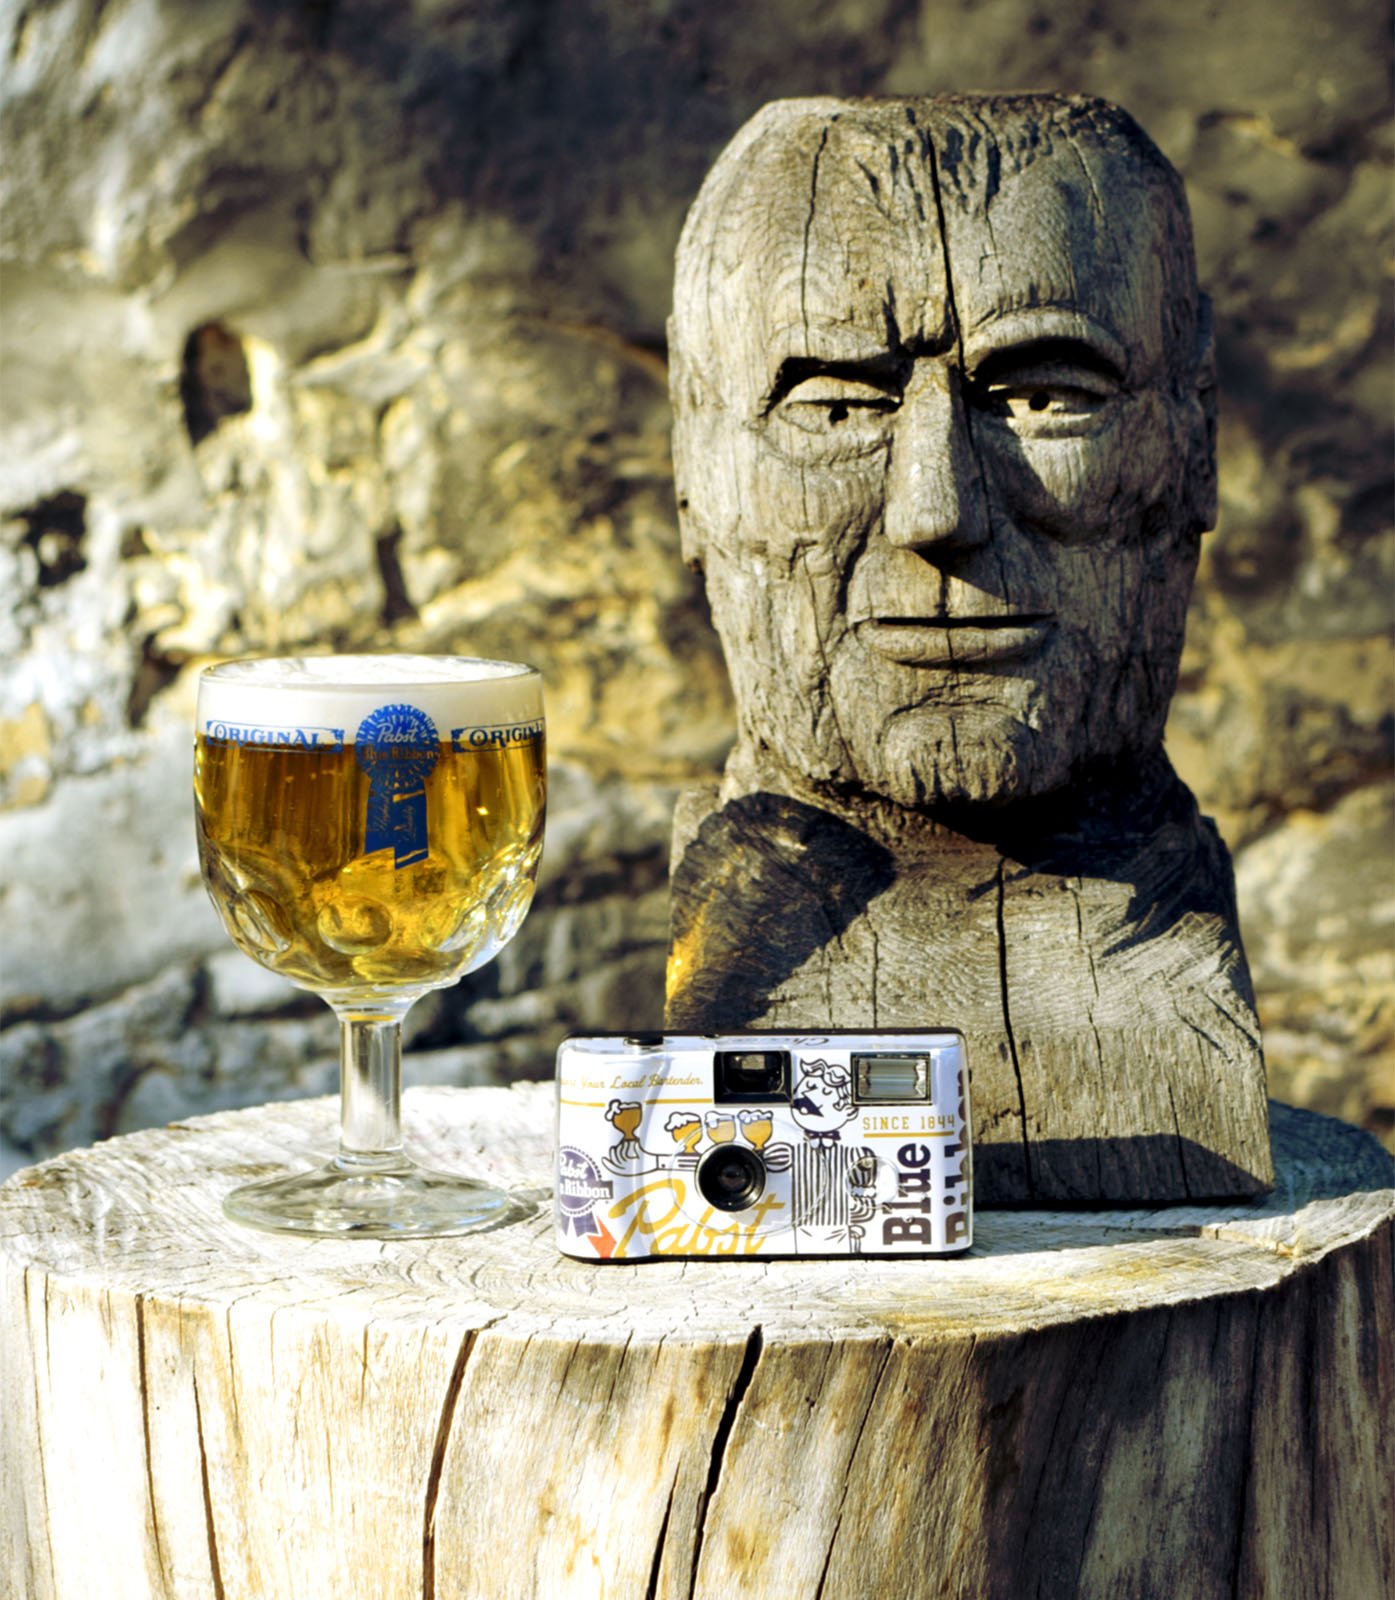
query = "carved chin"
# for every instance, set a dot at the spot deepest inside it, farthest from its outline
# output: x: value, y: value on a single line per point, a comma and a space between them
x: 994, y: 739
x: 964, y: 756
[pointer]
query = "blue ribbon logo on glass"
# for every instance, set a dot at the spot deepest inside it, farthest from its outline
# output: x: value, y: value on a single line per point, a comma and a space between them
x: 397, y: 747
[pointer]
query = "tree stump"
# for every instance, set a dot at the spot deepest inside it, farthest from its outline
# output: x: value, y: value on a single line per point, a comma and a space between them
x: 1186, y: 1401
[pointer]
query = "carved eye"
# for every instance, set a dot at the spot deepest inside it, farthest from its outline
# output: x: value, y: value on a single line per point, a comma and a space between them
x: 841, y: 408
x: 1042, y: 398
x: 1026, y: 401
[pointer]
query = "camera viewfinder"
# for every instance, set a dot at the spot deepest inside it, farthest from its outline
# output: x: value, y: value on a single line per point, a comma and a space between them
x: 743, y: 1075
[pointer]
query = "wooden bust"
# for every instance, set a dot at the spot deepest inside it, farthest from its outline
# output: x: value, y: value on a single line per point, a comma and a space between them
x: 944, y: 436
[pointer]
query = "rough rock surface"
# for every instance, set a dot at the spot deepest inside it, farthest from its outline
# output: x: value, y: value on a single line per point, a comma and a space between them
x: 339, y: 324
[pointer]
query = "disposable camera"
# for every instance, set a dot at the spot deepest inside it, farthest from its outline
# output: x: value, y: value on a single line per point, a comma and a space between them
x: 763, y: 1144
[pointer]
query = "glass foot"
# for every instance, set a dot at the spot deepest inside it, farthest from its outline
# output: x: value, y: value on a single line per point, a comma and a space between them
x: 372, y: 1198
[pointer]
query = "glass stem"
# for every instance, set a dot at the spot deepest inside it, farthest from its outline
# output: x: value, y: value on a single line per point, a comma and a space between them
x: 370, y: 1084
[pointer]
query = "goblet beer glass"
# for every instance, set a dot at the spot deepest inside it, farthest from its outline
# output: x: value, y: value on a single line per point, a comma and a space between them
x: 370, y: 827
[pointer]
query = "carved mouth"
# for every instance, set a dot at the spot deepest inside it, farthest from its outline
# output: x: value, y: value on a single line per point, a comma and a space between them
x: 957, y: 641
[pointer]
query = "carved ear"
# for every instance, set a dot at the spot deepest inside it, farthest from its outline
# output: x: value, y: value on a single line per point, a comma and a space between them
x: 681, y: 383
x: 690, y: 537
x: 1201, y: 457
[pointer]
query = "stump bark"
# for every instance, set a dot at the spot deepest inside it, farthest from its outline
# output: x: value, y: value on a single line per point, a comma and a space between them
x: 1185, y: 1401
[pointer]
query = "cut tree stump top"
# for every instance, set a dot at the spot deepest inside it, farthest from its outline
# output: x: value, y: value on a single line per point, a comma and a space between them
x: 142, y: 1214
x: 1098, y: 1403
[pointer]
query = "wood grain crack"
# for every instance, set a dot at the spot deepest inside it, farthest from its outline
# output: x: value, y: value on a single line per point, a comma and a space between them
x: 1201, y: 1033
x: 1007, y: 1027
x: 48, y: 1343
x: 1090, y: 1512
x: 39, y: 1423
x: 438, y: 1456
x: 749, y: 1361
x: 1242, y: 1494
x: 159, y: 1550
x: 1250, y: 1029
x: 848, y: 1475
x: 651, y: 1589
x: 808, y: 230
x: 1181, y: 1143
x: 876, y: 967
x: 615, y: 1376
x: 214, y: 1567
x: 1100, y: 1060
x: 232, y: 1364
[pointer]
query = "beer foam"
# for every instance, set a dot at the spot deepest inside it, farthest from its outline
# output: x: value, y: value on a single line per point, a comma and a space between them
x: 337, y: 693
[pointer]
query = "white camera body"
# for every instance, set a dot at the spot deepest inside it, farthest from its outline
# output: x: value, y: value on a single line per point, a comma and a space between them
x: 763, y: 1144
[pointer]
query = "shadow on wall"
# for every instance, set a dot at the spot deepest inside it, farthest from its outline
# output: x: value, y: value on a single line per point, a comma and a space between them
x: 588, y: 125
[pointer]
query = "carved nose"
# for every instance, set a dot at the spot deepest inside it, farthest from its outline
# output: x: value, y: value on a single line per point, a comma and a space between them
x: 934, y: 494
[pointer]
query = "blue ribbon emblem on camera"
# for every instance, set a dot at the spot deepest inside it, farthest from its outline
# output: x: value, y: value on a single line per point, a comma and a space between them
x: 397, y: 747
x: 579, y: 1190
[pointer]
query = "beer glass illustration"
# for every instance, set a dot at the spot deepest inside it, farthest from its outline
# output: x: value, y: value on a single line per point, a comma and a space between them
x: 370, y: 827
x: 627, y: 1153
x: 685, y: 1129
x: 757, y: 1127
x: 721, y: 1126
x: 625, y: 1116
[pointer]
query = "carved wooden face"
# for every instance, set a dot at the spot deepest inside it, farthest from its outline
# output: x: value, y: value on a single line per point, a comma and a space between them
x: 940, y: 442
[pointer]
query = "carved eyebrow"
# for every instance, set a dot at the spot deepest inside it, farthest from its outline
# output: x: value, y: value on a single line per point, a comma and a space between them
x: 886, y: 371
x: 998, y: 364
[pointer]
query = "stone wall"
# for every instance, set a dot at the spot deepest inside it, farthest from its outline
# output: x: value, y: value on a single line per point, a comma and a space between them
x: 341, y: 324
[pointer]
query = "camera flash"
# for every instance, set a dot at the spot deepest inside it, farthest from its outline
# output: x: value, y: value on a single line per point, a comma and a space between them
x: 891, y: 1077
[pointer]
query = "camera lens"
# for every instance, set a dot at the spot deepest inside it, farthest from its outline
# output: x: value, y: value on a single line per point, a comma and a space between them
x: 731, y: 1177
x: 751, y: 1075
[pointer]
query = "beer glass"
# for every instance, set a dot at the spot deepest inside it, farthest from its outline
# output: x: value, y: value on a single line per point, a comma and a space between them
x: 370, y: 827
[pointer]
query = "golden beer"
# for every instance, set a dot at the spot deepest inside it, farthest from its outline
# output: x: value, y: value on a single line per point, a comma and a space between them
x: 370, y: 827
x: 281, y: 832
